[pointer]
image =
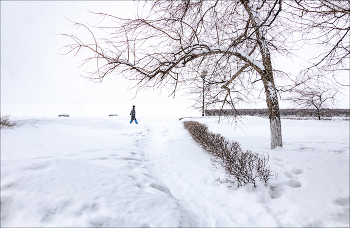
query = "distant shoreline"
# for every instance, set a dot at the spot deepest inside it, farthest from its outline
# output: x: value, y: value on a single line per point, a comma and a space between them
x: 284, y: 112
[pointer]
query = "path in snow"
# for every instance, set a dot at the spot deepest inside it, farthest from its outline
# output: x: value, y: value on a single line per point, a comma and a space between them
x: 82, y: 172
x: 200, y: 188
x: 312, y: 188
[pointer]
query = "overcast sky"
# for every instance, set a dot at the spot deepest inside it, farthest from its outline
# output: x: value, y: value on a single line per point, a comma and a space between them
x: 37, y: 81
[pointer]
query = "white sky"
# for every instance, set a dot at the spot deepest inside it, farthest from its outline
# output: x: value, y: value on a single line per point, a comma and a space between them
x: 37, y: 81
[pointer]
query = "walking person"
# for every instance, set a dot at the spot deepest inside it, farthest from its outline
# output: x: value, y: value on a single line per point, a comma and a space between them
x: 133, y: 115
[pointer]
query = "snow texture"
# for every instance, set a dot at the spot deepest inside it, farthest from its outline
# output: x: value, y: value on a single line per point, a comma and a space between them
x: 105, y: 172
x: 272, y: 91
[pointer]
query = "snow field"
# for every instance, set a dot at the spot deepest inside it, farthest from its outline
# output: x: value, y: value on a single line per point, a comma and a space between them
x: 106, y: 172
x: 81, y: 172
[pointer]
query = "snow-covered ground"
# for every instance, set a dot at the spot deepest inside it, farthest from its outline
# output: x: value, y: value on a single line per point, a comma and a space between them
x: 105, y: 172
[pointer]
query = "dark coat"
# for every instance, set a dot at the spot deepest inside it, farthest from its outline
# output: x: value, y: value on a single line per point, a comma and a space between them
x: 133, y: 114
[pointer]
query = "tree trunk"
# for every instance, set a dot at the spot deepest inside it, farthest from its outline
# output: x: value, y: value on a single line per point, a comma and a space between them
x: 271, y: 93
x: 267, y: 77
x: 274, y: 112
x: 271, y: 98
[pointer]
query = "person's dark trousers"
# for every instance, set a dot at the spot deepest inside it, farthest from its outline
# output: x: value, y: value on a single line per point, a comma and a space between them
x: 135, y: 121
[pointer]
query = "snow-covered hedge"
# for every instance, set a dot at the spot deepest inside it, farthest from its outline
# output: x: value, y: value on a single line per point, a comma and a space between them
x: 241, y: 166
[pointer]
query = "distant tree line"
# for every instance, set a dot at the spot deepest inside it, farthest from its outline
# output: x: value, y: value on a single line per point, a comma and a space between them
x: 283, y: 112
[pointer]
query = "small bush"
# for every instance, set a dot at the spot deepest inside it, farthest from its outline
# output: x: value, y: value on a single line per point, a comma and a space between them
x: 241, y: 167
x: 5, y: 122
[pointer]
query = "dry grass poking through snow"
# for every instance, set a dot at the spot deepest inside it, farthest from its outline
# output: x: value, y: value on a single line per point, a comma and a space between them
x: 5, y: 122
x: 241, y: 166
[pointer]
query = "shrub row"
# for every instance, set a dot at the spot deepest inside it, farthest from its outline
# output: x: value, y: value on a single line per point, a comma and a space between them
x: 283, y: 112
x: 241, y: 166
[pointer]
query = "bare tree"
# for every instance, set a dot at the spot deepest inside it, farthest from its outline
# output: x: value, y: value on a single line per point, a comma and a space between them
x: 318, y: 97
x: 169, y: 47
x: 326, y: 24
